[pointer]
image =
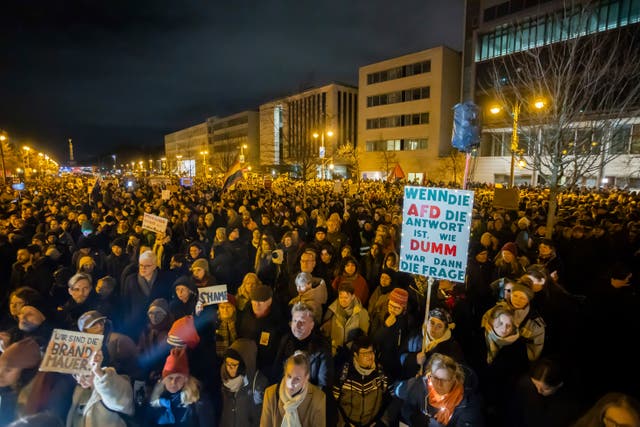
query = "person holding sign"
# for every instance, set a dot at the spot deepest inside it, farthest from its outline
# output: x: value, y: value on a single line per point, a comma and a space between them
x: 101, y: 397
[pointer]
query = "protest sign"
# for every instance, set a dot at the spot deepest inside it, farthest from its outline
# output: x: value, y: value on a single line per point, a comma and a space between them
x: 507, y: 198
x: 154, y: 223
x: 166, y: 194
x: 435, y: 232
x: 212, y: 294
x: 69, y: 352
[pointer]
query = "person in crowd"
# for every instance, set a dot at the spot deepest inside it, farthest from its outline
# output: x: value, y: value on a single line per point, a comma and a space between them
x: 83, y: 298
x: 371, y: 264
x: 548, y: 257
x: 613, y: 409
x: 327, y: 266
x: 541, y: 397
x: 37, y: 320
x: 185, y: 298
x: 226, y: 331
x: 436, y: 337
x: 117, y: 260
x: 349, y: 274
x: 139, y: 289
x: 17, y: 299
x: 380, y: 297
x: 265, y: 266
x: 362, y: 390
x: 313, y: 296
x: 119, y: 350
x: 108, y: 299
x: 294, y: 401
x: 390, y: 333
x: 102, y: 397
x: 345, y: 320
x: 243, y: 297
x: 200, y: 273
x: 243, y: 385
x: 19, y: 364
x: 445, y: 395
x: 507, y: 263
x: 263, y: 321
x: 152, y: 344
x: 304, y: 336
x: 177, y: 400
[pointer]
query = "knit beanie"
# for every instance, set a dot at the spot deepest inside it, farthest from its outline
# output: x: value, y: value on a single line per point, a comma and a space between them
x: 183, y: 333
x: 201, y: 263
x: 160, y: 304
x: 518, y: 286
x: 233, y: 354
x: 177, y: 363
x: 40, y: 304
x: 23, y: 354
x: 442, y: 315
x: 510, y: 247
x: 399, y: 296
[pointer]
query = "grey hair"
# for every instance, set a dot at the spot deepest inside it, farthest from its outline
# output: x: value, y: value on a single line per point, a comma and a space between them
x: 148, y: 255
x: 302, y: 307
x: 77, y: 277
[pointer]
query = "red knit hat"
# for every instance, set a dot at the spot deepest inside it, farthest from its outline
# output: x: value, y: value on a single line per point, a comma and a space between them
x: 183, y: 333
x: 177, y: 363
x: 510, y: 247
x: 399, y: 296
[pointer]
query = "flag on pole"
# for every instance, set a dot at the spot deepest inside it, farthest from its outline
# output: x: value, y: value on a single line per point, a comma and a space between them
x: 233, y: 175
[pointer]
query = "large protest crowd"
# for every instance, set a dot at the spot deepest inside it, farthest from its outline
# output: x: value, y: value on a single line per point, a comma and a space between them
x: 319, y: 325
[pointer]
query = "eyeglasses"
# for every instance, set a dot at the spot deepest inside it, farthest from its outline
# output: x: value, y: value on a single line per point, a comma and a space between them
x: 370, y: 353
x: 147, y: 265
x: 435, y: 379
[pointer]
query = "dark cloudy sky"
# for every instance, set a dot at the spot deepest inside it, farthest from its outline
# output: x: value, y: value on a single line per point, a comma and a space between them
x: 126, y: 72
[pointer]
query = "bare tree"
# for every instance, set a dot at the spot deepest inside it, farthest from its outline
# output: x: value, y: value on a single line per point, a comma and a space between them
x: 351, y: 156
x: 387, y: 160
x: 450, y: 168
x: 222, y: 160
x: 591, y: 84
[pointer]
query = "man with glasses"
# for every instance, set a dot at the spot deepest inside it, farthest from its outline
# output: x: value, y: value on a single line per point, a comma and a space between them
x: 140, y: 289
x: 362, y: 391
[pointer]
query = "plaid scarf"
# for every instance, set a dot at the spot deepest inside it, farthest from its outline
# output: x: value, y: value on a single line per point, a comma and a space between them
x: 225, y: 335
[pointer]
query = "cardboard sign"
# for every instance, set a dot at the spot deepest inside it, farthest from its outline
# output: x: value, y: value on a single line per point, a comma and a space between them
x: 154, y: 223
x: 69, y: 352
x: 507, y: 198
x: 212, y: 294
x: 435, y: 232
x: 166, y: 194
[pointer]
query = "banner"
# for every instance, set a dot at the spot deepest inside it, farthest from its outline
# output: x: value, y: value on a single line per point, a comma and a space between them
x: 69, y: 352
x: 154, y: 223
x: 507, y: 198
x: 435, y: 232
x: 212, y: 294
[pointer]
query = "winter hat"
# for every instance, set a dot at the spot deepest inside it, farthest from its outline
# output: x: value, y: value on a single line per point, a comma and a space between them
x: 399, y: 296
x: 200, y: 263
x: 85, y: 260
x: 261, y: 293
x: 389, y: 272
x: 188, y: 282
x: 160, y: 304
x: 183, y: 333
x: 120, y: 242
x: 177, y: 363
x: 519, y: 286
x: 232, y: 353
x: 23, y: 354
x: 321, y: 229
x: 442, y: 315
x: 510, y: 247
x: 89, y: 318
x: 40, y: 304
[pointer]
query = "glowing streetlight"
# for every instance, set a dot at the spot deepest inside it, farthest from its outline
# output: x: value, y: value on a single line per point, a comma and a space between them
x: 204, y: 162
x: 321, y: 135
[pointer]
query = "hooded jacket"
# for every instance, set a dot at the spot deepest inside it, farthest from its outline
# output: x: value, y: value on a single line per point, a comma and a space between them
x: 342, y: 329
x: 243, y: 407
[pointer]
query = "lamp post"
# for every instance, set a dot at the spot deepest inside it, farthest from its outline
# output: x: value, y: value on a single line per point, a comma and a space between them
x: 515, y: 115
x: 3, y: 138
x: 26, y: 162
x: 317, y: 135
x: 204, y: 162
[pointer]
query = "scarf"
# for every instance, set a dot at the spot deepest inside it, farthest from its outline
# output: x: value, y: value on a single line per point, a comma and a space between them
x: 520, y: 314
x: 346, y: 312
x: 234, y: 384
x: 363, y: 371
x: 291, y: 418
x: 225, y: 335
x: 174, y: 411
x: 145, y: 286
x: 446, y: 403
x: 495, y: 343
x: 429, y: 343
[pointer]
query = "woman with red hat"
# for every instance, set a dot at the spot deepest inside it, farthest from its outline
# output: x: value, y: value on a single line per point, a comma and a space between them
x: 177, y: 400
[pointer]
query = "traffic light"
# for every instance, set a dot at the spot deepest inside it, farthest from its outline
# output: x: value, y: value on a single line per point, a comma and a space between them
x: 466, y: 126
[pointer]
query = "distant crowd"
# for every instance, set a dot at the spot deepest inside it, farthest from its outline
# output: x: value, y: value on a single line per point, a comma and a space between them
x: 319, y: 327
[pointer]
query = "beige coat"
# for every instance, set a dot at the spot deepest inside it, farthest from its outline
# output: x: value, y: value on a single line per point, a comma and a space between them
x: 312, y: 410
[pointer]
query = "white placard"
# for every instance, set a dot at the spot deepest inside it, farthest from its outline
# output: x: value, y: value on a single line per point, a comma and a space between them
x: 69, y: 352
x: 212, y: 294
x: 154, y: 223
x: 435, y: 232
x: 166, y: 194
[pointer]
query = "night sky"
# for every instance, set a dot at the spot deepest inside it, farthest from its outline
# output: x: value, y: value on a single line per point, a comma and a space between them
x: 126, y: 72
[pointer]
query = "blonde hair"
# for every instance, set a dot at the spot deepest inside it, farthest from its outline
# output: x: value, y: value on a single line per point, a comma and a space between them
x: 189, y: 394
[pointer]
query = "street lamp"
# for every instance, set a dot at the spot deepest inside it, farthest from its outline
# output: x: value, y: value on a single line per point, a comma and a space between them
x: 26, y: 163
x: 204, y: 162
x: 242, y: 148
x: 515, y: 115
x: 317, y: 135
x: 3, y: 138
